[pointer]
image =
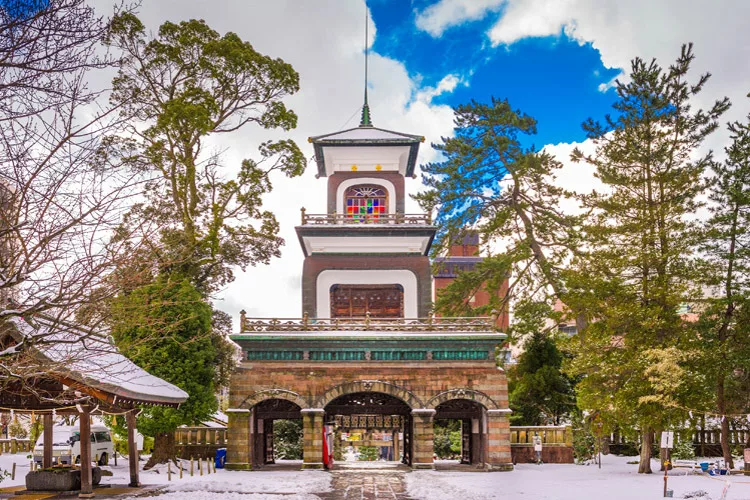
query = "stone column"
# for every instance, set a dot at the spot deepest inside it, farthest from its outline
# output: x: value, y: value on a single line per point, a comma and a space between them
x: 423, y: 432
x: 312, y: 438
x: 498, y: 440
x: 239, y: 439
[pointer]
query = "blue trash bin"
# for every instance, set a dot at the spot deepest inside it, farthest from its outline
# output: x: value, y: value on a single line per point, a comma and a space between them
x: 221, y: 457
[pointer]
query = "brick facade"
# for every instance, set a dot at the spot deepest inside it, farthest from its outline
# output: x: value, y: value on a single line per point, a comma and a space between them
x: 417, y: 264
x: 423, y: 386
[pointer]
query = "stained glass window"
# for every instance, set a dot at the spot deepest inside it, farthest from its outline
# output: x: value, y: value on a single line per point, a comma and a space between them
x: 366, y: 202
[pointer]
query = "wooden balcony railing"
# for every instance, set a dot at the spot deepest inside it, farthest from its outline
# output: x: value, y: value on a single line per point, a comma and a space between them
x: 334, y: 218
x: 306, y: 324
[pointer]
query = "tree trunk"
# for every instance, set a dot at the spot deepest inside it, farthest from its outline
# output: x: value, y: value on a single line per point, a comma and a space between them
x: 721, y: 405
x: 647, y: 440
x: 164, y: 450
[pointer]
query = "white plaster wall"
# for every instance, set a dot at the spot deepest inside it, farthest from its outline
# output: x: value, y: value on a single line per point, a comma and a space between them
x: 326, y: 279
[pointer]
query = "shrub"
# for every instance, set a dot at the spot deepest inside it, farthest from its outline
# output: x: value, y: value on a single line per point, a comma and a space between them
x: 368, y: 453
x: 18, y: 431
x: 683, y: 450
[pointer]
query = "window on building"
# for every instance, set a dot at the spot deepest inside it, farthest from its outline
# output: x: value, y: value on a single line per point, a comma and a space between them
x: 366, y: 202
x: 355, y: 301
x: 568, y: 330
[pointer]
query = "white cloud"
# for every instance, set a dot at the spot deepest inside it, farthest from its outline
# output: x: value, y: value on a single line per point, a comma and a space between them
x: 447, y: 13
x: 621, y: 31
x: 323, y: 41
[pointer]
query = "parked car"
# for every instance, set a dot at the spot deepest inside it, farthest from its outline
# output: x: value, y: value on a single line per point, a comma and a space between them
x: 66, y: 445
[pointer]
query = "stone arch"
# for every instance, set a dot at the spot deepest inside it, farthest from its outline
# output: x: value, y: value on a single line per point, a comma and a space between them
x: 258, y: 396
x: 470, y: 394
x: 404, y: 395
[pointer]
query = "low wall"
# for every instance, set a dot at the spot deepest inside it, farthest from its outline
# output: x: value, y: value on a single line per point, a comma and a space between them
x: 14, y: 445
x: 557, y: 444
x: 194, y: 442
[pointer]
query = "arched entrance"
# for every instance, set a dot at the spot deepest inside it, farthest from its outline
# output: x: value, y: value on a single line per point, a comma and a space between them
x: 470, y: 419
x: 264, y: 414
x: 368, y: 419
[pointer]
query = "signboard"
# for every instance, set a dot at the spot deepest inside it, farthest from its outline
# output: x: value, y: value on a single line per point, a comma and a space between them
x: 667, y: 439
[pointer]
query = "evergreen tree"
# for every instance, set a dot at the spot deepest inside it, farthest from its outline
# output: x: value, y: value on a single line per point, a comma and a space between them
x: 447, y: 439
x: 164, y: 327
x: 490, y: 180
x: 640, y: 268
x: 287, y: 439
x: 539, y: 392
x: 177, y: 90
x: 722, y: 343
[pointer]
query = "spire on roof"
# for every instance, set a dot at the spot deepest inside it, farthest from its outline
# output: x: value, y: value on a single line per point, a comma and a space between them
x: 365, y: 121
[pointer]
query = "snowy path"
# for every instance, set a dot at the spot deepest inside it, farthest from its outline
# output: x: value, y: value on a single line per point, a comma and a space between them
x: 367, y: 485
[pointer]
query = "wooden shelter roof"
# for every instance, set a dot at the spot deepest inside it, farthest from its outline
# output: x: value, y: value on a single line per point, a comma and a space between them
x: 78, y: 362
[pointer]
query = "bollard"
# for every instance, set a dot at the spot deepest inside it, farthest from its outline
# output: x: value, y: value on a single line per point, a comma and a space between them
x: 169, y: 470
x: 180, y: 468
x: 213, y: 464
x: 115, y: 458
x: 13, y: 472
x: 191, y: 466
x: 208, y: 467
x: 200, y: 466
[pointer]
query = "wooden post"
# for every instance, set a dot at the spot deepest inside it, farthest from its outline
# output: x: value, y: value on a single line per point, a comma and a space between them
x: 180, y: 468
x: 191, y: 466
x: 47, y: 457
x: 87, y: 488
x: 200, y: 466
x: 132, y: 449
x: 169, y: 470
x: 243, y: 318
x: 13, y: 472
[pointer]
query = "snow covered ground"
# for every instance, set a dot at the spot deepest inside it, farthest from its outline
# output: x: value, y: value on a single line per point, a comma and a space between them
x: 256, y: 485
x: 616, y: 480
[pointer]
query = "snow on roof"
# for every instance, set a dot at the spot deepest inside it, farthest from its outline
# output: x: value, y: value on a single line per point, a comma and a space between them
x: 366, y: 134
x: 92, y: 359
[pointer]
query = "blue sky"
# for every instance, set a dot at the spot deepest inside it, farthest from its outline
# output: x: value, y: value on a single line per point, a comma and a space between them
x: 553, y: 78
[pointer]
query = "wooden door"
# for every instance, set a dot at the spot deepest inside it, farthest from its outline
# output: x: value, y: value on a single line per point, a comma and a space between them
x: 355, y: 301
x: 466, y: 441
x: 268, y: 439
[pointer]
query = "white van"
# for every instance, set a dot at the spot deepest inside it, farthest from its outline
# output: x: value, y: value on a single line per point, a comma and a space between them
x: 66, y: 445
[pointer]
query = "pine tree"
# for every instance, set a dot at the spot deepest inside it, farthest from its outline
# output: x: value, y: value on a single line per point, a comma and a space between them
x: 490, y: 180
x: 640, y: 268
x: 722, y: 343
x: 539, y: 392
